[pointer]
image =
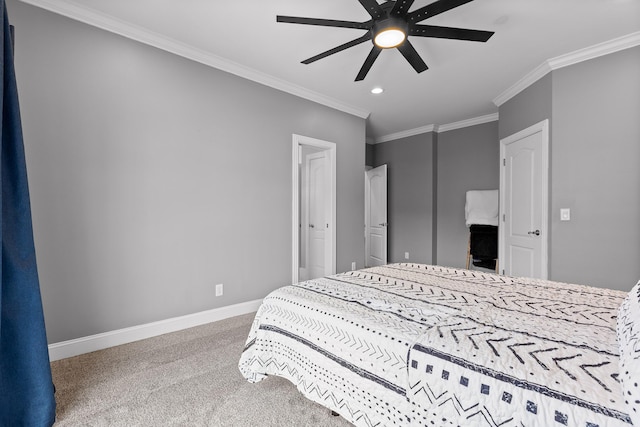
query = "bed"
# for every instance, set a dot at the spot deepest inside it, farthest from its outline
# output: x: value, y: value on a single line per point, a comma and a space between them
x: 414, y: 344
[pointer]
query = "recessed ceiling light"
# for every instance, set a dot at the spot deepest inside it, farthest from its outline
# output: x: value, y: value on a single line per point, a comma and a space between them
x: 377, y: 90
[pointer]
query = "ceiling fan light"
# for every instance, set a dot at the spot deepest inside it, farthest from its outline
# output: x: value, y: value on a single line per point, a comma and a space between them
x: 389, y: 37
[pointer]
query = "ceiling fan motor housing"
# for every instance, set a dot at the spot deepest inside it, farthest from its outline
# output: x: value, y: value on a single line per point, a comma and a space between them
x: 386, y: 24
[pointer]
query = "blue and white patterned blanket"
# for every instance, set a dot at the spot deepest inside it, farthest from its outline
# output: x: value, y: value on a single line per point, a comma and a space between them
x: 413, y: 344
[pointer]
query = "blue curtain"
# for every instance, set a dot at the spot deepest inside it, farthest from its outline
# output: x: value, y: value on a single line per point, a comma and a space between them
x: 26, y: 389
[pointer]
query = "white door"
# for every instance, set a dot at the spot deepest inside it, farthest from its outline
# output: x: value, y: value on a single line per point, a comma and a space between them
x: 317, y: 226
x: 523, y: 202
x: 297, y: 230
x: 375, y: 221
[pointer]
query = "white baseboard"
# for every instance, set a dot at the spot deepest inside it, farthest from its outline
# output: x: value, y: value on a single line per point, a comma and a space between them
x: 64, y: 349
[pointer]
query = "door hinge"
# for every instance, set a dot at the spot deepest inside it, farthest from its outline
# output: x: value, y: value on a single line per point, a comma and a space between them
x: 504, y: 218
x: 504, y: 162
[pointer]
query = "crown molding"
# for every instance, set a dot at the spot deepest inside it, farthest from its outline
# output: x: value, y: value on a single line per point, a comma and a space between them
x: 571, y: 58
x: 406, y: 133
x: 595, y: 51
x: 468, y: 122
x: 530, y: 78
x: 109, y: 23
x: 437, y: 128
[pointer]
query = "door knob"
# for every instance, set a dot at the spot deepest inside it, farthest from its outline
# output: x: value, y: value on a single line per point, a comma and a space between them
x: 311, y: 226
x: 537, y: 232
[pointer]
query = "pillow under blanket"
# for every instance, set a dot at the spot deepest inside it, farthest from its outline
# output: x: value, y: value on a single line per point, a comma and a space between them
x: 628, y: 331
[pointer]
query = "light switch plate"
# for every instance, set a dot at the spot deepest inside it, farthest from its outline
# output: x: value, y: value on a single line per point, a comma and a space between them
x: 565, y: 214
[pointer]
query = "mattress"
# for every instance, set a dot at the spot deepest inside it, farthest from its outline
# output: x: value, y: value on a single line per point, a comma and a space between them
x: 414, y: 344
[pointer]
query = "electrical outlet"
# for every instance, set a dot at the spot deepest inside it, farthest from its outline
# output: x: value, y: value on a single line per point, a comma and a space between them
x: 219, y: 289
x: 406, y: 255
x: 353, y: 265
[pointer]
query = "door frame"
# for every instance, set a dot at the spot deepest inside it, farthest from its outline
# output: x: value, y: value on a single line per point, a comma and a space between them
x: 297, y: 142
x: 543, y: 128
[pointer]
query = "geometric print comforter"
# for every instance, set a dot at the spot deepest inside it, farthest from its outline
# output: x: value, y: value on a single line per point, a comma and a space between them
x: 413, y: 344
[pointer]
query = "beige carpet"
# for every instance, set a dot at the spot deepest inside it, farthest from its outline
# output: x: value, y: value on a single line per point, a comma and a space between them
x: 186, y: 378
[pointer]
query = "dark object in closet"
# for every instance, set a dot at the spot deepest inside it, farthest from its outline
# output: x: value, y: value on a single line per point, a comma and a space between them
x: 484, y: 245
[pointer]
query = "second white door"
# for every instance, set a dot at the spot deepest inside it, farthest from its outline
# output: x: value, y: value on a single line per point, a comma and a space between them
x: 376, y: 216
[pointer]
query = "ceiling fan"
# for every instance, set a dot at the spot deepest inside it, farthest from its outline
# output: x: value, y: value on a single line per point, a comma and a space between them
x: 390, y: 26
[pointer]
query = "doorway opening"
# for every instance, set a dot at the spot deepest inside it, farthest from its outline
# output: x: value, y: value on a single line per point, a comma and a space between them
x: 313, y: 208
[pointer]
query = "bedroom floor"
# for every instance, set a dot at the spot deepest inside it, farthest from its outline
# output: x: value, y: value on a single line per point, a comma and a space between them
x: 188, y: 377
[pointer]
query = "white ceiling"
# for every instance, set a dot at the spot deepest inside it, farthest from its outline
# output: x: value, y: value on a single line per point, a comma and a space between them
x: 461, y: 83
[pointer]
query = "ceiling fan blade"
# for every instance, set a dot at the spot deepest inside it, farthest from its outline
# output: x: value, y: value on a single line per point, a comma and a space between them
x: 338, y: 48
x: 401, y: 7
x: 368, y: 63
x: 324, y: 22
x: 411, y: 55
x: 373, y: 8
x: 450, y: 33
x: 433, y: 9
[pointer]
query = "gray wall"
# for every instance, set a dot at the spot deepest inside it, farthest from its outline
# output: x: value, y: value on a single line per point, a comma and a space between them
x: 153, y: 177
x: 529, y: 107
x: 410, y: 196
x: 593, y: 109
x: 468, y: 159
x: 595, y: 157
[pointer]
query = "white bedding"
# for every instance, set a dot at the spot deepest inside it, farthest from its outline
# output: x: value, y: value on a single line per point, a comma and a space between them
x: 628, y: 329
x: 412, y: 344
